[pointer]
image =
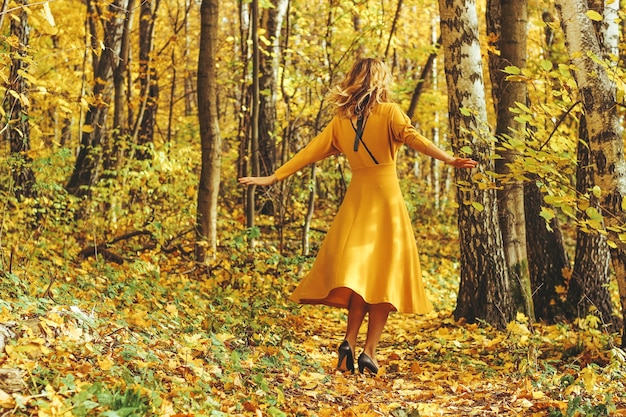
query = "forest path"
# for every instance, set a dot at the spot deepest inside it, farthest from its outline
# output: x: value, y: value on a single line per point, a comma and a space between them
x: 430, y: 366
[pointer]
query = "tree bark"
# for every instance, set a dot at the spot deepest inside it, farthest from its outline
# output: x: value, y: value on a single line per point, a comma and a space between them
x: 511, y: 32
x: 272, y: 22
x: 484, y: 292
x: 87, y: 168
x: 208, y: 190
x: 148, y: 81
x: 591, y: 274
x: 548, y: 259
x: 598, y: 95
x: 254, y: 117
x: 114, y: 148
x: 16, y: 108
x: 426, y: 73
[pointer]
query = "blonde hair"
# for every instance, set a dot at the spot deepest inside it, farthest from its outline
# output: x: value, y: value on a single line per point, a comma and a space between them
x: 366, y: 84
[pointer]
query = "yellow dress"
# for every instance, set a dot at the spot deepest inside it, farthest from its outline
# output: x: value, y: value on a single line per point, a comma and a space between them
x: 370, y: 247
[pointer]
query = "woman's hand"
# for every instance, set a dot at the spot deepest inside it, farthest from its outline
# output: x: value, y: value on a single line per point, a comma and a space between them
x: 263, y: 181
x: 463, y: 163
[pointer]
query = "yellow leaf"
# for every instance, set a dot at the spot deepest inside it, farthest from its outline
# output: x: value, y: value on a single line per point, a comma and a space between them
x: 593, y: 15
x: 588, y: 377
x: 6, y: 401
x: 171, y: 308
x: 105, y: 363
x: 597, y: 191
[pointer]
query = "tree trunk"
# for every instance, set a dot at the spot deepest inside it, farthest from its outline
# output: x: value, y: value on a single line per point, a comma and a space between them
x: 148, y: 81
x: 16, y: 108
x: 511, y: 17
x: 484, y: 292
x: 591, y: 275
x: 208, y: 190
x: 548, y: 259
x: 254, y: 117
x: 392, y: 31
x: 427, y: 72
x: 598, y: 94
x: 187, y: 78
x: 114, y: 149
x: 271, y: 21
x: 87, y: 167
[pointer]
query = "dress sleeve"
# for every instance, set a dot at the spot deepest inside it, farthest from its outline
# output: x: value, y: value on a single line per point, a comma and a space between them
x: 404, y: 131
x: 320, y: 147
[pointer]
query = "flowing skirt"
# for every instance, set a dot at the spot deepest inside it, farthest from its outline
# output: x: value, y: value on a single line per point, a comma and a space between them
x: 369, y: 249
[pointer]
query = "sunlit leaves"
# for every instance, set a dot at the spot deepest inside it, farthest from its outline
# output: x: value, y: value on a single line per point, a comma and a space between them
x: 593, y: 15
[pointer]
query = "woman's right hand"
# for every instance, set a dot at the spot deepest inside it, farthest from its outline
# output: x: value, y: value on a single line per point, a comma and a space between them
x: 263, y: 181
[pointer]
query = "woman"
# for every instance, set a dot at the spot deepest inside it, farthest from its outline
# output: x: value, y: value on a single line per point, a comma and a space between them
x: 368, y: 262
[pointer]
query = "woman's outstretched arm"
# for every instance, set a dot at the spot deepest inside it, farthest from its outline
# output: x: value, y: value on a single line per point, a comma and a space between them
x: 269, y: 180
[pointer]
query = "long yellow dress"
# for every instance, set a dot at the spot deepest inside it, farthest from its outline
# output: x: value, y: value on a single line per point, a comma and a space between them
x: 370, y: 247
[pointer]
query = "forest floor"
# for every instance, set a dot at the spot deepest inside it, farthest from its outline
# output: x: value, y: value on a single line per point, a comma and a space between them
x: 157, y: 336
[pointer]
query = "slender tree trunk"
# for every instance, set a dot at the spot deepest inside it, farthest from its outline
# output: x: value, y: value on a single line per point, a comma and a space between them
x: 244, y: 93
x: 272, y: 22
x: 547, y: 258
x: 427, y: 72
x: 187, y: 75
x: 598, y: 96
x: 484, y: 292
x: 114, y: 149
x: 254, y: 118
x: 16, y: 108
x: 394, y: 24
x: 511, y: 31
x: 148, y: 81
x: 88, y: 166
x: 208, y: 190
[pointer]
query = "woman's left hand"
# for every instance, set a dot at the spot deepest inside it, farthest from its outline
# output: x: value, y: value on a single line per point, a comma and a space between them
x: 463, y: 163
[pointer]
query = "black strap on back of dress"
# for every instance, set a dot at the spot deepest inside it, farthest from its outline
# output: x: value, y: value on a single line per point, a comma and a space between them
x: 360, y: 126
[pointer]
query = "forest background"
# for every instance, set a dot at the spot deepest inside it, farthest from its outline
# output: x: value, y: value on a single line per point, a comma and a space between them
x: 138, y: 278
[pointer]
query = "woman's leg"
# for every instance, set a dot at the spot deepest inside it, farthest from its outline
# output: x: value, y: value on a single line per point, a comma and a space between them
x: 356, y: 313
x: 377, y: 320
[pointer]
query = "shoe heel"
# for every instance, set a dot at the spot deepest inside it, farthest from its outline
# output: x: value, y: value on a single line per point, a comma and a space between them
x: 365, y: 362
x: 345, y: 352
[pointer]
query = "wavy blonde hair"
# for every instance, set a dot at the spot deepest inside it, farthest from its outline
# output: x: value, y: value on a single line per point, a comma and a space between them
x: 366, y: 84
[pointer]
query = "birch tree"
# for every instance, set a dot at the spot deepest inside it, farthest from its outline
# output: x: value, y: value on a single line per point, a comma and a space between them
x: 484, y: 291
x: 598, y: 96
x: 589, y: 285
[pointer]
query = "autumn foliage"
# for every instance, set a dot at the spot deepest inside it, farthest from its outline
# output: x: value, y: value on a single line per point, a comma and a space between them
x: 156, y: 335
x: 104, y: 310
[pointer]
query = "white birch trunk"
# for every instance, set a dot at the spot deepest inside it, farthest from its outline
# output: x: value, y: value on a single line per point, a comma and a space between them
x: 483, y: 292
x: 598, y: 95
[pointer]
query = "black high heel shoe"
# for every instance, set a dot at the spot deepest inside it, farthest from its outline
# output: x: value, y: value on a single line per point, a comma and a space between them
x: 365, y: 362
x: 345, y: 352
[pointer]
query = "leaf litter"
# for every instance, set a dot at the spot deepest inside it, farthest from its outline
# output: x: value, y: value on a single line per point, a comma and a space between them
x: 160, y: 336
